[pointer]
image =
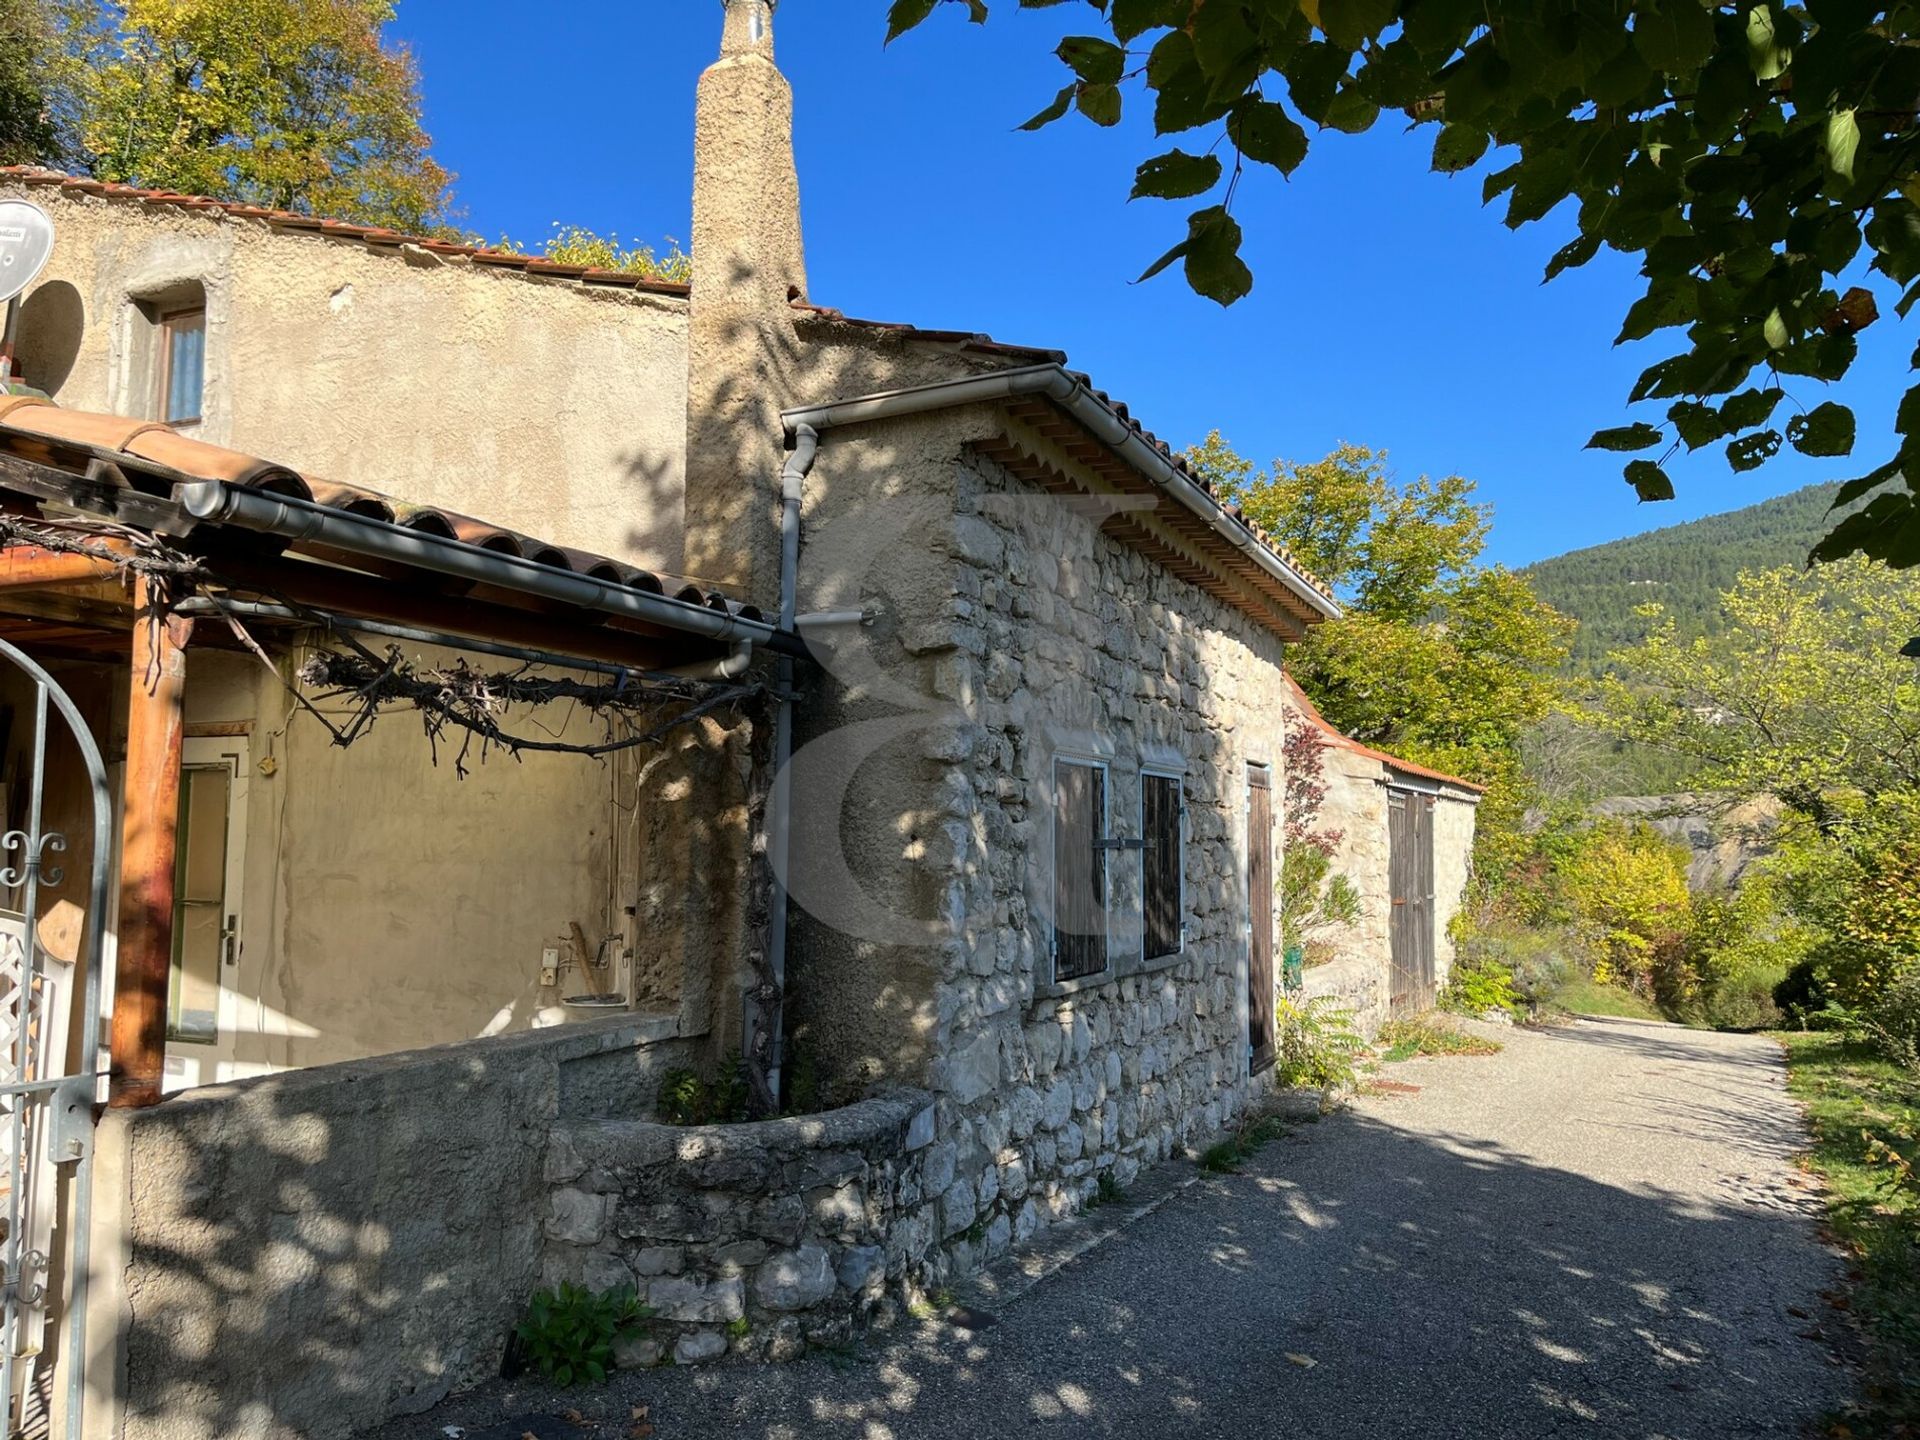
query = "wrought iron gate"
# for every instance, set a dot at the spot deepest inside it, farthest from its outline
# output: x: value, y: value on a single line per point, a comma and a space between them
x: 47, y: 1112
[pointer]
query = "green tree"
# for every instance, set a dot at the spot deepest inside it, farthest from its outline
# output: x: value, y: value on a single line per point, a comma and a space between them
x: 1440, y: 659
x: 26, y: 136
x: 1801, y: 691
x: 1750, y: 153
x: 294, y: 104
x: 577, y: 245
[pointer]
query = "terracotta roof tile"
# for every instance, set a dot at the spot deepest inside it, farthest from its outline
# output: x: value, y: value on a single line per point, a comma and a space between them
x: 178, y: 457
x: 1304, y: 703
x: 31, y: 176
x: 1032, y: 355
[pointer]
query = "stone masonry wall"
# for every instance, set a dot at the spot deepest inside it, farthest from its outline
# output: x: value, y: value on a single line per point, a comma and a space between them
x: 758, y: 1238
x: 1063, y: 643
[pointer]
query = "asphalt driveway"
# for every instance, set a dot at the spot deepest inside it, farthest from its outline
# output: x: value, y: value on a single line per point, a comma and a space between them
x: 1598, y: 1232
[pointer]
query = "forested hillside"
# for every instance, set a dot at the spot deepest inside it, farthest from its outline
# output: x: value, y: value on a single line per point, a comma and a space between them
x: 1683, y: 567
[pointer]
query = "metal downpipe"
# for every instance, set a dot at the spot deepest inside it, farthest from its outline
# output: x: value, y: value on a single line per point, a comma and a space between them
x: 793, y: 476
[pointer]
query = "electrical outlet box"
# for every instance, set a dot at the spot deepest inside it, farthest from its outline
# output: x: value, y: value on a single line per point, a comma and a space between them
x: 550, y: 965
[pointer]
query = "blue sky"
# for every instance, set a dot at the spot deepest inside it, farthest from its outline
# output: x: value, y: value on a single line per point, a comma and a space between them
x: 1389, y: 308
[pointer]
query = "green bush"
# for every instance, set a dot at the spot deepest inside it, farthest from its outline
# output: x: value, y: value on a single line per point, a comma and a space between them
x: 1892, y: 1021
x: 690, y: 1098
x: 569, y: 1333
x: 1319, y: 1047
x: 1536, y: 964
x: 1478, y: 985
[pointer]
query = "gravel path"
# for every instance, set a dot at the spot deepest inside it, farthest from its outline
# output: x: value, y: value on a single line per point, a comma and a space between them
x: 1597, y: 1232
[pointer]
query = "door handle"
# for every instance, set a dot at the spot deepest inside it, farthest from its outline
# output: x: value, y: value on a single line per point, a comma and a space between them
x: 230, y: 941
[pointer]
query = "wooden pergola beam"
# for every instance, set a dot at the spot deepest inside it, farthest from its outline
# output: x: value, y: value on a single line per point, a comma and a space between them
x: 155, y: 730
x: 24, y: 566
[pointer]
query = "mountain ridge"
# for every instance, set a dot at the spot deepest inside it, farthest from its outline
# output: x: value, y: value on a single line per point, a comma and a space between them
x: 1683, y: 567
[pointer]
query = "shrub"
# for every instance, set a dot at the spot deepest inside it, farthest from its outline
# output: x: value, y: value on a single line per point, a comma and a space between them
x: 690, y: 1098
x: 1319, y: 1048
x: 1627, y: 889
x: 1478, y: 985
x: 569, y: 1333
x: 1745, y: 1001
x: 1892, y: 1021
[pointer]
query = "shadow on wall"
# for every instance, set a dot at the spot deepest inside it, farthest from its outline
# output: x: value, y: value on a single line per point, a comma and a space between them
x: 53, y: 321
x: 314, y: 1252
x: 1440, y: 1286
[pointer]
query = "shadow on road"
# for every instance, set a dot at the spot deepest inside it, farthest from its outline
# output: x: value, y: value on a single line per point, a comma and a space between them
x: 1358, y: 1279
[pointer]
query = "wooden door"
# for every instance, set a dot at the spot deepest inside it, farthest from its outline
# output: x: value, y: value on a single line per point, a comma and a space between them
x: 1410, y: 888
x: 1260, y: 916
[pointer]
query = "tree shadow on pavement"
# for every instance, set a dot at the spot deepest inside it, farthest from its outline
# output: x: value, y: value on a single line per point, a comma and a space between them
x: 1356, y: 1279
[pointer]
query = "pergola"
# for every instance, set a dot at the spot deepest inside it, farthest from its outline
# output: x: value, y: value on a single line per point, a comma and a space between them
x: 127, y: 542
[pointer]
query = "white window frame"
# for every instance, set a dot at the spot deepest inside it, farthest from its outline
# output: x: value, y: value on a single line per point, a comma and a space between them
x: 1105, y: 767
x: 1179, y: 778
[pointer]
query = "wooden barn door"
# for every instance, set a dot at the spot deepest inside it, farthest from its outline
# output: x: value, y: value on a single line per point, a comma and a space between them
x: 1410, y: 886
x: 1260, y: 1042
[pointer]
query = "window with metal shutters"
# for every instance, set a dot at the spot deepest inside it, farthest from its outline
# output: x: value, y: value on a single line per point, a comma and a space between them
x: 1079, y: 869
x: 1162, y: 864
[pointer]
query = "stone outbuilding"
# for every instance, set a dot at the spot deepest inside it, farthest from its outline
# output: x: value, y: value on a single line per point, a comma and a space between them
x: 1404, y: 839
x: 966, y: 835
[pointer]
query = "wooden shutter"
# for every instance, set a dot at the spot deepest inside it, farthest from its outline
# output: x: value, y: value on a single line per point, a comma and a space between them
x: 1079, y: 871
x: 1160, y: 864
x: 1260, y: 998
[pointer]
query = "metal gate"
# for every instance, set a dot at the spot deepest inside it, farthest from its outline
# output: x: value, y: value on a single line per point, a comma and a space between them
x: 47, y: 1112
x: 1410, y: 887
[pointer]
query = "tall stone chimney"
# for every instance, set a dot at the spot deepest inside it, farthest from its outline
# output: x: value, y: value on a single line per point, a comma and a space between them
x: 742, y: 351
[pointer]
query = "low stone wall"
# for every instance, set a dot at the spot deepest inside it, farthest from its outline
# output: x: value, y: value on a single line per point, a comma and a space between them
x: 313, y: 1253
x: 758, y: 1238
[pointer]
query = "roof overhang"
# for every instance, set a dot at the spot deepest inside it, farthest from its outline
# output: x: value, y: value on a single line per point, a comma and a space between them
x: 1214, y: 531
x: 289, y: 549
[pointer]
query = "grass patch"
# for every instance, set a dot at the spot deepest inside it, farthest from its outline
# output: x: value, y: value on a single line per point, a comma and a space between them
x: 1582, y: 996
x: 1857, y: 1103
x: 1430, y: 1035
x: 1226, y: 1157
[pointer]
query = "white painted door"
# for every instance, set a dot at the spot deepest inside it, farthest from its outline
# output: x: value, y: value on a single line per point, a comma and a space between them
x: 205, y: 1013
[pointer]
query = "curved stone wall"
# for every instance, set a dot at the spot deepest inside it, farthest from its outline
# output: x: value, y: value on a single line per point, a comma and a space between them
x: 760, y: 1238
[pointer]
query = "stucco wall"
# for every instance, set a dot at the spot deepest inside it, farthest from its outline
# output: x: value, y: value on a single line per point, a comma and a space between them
x: 1453, y: 826
x: 541, y: 405
x: 308, y: 1254
x: 389, y: 904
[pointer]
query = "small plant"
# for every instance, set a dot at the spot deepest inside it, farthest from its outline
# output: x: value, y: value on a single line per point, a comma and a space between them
x: 1480, y: 985
x: 689, y: 1098
x: 739, y: 1327
x: 569, y: 1333
x: 1228, y: 1155
x: 1106, y: 1190
x: 1429, y: 1035
x: 1319, y: 1046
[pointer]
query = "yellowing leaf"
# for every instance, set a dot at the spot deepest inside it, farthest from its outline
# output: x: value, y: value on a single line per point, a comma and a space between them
x: 1843, y: 140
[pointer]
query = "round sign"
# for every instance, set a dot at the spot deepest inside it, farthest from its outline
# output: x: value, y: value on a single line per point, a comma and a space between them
x: 26, y: 240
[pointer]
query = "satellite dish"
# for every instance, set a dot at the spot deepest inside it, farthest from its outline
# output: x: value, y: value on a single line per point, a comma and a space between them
x: 26, y: 240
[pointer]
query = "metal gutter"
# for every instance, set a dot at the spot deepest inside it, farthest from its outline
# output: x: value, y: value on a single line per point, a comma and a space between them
x: 1113, y: 430
x: 199, y: 605
x: 215, y: 502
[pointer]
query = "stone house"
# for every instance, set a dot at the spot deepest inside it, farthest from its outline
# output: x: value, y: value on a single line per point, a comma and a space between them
x: 1405, y: 841
x: 976, y: 846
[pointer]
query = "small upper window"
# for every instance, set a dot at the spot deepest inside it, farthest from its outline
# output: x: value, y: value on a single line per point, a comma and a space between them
x: 1162, y: 912
x: 182, y: 367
